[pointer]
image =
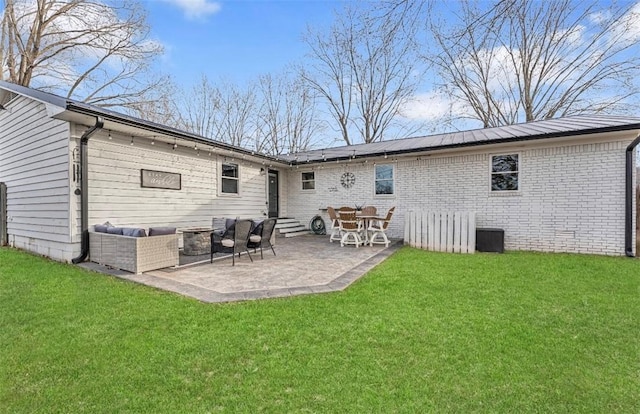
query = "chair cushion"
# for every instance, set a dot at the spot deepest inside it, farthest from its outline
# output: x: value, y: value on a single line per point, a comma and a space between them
x: 161, y: 231
x: 227, y: 242
x: 133, y: 232
x: 254, y: 238
x: 114, y: 230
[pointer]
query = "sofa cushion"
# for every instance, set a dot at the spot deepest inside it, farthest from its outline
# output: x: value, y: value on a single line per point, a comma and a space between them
x: 114, y: 230
x: 133, y: 232
x: 161, y: 231
x: 100, y: 228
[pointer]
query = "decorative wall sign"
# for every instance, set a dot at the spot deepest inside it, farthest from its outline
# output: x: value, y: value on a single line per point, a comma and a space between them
x: 160, y: 179
x: 348, y: 179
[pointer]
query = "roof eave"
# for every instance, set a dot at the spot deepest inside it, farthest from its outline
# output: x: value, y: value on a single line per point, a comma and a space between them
x: 562, y: 134
x: 160, y: 129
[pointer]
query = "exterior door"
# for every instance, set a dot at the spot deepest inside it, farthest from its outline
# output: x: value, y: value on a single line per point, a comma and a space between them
x: 273, y: 194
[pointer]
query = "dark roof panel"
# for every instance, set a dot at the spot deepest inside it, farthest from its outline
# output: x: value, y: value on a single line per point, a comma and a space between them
x: 551, y: 128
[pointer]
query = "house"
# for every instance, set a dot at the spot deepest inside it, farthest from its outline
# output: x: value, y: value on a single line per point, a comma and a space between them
x: 556, y: 185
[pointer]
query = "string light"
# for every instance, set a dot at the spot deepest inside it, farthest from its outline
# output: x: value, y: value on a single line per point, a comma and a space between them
x: 110, y: 137
x: 131, y: 140
x: 175, y: 143
x: 153, y: 141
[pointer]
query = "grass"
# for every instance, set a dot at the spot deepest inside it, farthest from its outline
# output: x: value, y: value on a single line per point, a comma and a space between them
x: 422, y: 332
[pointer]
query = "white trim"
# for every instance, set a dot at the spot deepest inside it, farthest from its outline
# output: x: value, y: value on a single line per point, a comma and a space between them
x: 393, y: 179
x: 518, y: 172
x: 220, y: 178
x: 302, y: 181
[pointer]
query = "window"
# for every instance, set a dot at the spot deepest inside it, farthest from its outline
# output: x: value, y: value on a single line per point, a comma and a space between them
x: 308, y: 180
x: 504, y: 172
x: 230, y: 178
x: 384, y: 179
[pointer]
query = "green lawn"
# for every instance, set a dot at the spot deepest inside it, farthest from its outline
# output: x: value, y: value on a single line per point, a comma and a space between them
x: 423, y: 332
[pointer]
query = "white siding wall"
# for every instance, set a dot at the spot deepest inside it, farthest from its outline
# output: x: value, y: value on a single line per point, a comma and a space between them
x: 34, y: 154
x: 115, y: 194
x: 572, y: 195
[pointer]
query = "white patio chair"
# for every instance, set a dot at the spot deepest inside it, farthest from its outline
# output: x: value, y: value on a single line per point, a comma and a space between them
x: 351, y: 229
x: 335, y: 225
x: 378, y: 228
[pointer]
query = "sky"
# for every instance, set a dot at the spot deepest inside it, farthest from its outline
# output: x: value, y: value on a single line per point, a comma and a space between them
x: 237, y: 39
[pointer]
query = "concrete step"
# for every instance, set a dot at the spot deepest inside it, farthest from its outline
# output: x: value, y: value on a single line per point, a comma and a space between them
x: 288, y: 224
x: 292, y: 229
x: 297, y: 233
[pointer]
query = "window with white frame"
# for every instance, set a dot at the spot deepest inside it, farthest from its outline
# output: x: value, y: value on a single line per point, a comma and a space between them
x: 308, y: 180
x: 384, y: 184
x: 505, y: 171
x: 230, y: 178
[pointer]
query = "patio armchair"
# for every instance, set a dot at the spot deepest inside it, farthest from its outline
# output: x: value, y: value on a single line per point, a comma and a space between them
x: 379, y: 228
x: 351, y: 228
x: 261, y: 236
x: 335, y: 225
x: 234, y: 240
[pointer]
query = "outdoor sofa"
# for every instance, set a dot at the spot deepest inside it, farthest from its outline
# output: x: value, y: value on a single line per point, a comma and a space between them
x: 131, y: 249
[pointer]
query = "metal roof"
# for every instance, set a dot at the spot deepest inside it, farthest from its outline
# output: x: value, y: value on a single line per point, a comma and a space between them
x: 546, y: 129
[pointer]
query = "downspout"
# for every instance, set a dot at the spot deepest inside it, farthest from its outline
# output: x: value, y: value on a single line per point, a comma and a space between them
x: 84, y: 189
x: 628, y: 225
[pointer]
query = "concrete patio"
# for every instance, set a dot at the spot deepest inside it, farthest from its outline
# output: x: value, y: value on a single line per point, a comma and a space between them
x: 303, y: 265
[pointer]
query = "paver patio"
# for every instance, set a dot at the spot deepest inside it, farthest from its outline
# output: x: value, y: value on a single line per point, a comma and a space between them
x: 303, y: 265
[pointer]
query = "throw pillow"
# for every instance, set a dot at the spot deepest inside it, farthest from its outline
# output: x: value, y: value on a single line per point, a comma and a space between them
x: 161, y: 231
x: 114, y: 230
x: 133, y: 232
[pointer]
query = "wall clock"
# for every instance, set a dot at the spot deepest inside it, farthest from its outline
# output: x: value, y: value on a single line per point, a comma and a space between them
x: 348, y: 180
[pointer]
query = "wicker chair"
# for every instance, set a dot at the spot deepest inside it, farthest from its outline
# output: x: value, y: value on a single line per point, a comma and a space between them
x: 351, y: 228
x: 234, y: 240
x: 369, y: 211
x: 379, y: 228
x: 335, y: 225
x: 261, y: 236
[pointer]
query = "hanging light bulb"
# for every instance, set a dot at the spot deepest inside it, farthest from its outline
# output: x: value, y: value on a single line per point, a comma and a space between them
x: 131, y: 140
x: 110, y: 137
x: 175, y: 143
x: 153, y: 141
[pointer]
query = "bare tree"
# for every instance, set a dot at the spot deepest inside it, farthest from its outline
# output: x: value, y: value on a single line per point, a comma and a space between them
x: 524, y: 60
x: 200, y: 109
x: 364, y: 69
x: 287, y: 117
x: 236, y: 115
x: 86, y: 49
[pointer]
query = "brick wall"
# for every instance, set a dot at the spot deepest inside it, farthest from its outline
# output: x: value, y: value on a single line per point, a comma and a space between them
x: 571, y: 196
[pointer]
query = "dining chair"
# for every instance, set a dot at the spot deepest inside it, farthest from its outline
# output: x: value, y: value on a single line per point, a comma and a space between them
x: 379, y: 228
x: 335, y: 225
x: 351, y: 228
x: 369, y: 211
